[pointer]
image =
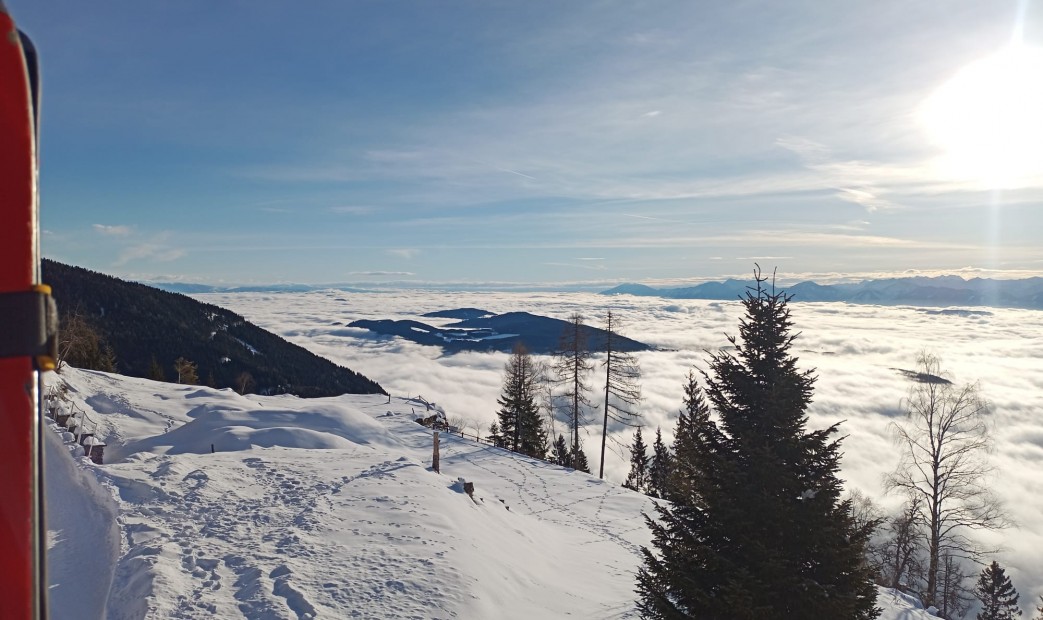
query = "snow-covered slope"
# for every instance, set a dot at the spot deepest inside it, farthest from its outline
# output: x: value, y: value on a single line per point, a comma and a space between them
x: 329, y: 508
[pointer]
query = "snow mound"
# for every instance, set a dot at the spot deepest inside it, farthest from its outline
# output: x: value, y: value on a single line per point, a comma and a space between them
x: 224, y: 428
x: 328, y: 508
x: 897, y: 605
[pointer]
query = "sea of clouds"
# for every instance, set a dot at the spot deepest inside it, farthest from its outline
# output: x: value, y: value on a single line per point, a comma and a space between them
x: 855, y: 350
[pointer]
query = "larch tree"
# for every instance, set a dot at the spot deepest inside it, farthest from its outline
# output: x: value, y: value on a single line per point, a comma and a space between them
x: 520, y: 424
x: 999, y: 599
x: 637, y: 479
x: 622, y: 390
x: 945, y: 442
x: 761, y: 531
x: 186, y: 371
x: 572, y: 365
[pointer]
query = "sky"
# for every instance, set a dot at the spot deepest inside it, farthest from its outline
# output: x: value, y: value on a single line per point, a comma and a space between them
x: 539, y: 142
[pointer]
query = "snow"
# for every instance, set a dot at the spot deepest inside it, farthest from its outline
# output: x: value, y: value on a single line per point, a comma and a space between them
x: 326, y: 508
x: 896, y: 605
x: 83, y: 538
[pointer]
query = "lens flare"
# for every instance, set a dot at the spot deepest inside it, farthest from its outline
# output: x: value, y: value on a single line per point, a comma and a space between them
x: 988, y: 120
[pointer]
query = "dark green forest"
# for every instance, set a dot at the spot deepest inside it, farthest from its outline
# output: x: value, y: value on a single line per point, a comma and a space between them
x: 146, y: 330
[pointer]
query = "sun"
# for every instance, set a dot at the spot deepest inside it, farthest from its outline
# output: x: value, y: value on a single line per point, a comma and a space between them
x: 988, y: 120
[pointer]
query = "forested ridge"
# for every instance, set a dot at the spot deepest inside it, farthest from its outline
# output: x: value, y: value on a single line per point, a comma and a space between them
x: 147, y: 330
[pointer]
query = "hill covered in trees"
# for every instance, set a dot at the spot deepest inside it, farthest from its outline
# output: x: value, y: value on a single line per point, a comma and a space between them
x: 480, y: 330
x: 147, y: 330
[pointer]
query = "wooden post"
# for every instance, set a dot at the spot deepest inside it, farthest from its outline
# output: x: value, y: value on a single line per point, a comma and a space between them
x: 434, y: 457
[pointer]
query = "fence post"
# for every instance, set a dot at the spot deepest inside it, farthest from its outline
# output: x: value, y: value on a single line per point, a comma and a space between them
x: 434, y: 457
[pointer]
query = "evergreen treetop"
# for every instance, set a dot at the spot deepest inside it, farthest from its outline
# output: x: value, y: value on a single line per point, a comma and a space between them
x: 757, y: 529
x: 520, y: 425
x: 660, y: 467
x: 999, y: 599
x: 637, y: 479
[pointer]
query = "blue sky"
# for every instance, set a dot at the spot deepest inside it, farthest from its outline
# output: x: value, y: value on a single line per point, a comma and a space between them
x: 562, y: 142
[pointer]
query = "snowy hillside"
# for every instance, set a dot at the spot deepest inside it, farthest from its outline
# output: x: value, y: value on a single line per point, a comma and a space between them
x: 325, y: 508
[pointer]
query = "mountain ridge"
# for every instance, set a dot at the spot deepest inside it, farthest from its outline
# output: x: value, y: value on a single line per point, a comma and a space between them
x: 947, y: 290
x: 142, y: 324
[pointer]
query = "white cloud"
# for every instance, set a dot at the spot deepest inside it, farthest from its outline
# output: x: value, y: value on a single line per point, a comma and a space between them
x: 115, y: 231
x: 853, y: 349
x: 354, y: 209
x: 156, y: 249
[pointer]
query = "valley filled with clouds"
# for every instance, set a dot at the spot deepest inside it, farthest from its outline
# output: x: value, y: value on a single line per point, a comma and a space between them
x: 857, y: 352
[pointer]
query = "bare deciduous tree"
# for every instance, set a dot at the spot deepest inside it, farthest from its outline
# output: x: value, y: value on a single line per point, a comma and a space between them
x: 945, y: 444
x: 572, y: 366
x: 900, y: 550
x: 80, y: 345
x: 621, y: 383
x: 186, y: 371
x: 244, y: 382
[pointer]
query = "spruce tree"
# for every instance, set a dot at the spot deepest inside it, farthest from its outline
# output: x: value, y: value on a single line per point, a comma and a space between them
x: 660, y: 467
x: 637, y: 479
x: 155, y: 371
x: 999, y: 599
x: 759, y: 531
x: 578, y: 459
x: 560, y: 452
x: 694, y: 416
x: 495, y: 436
x: 520, y: 424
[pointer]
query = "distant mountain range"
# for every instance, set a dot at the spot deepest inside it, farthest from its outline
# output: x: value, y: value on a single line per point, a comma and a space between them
x: 141, y: 324
x: 189, y: 288
x: 481, y: 330
x: 918, y: 291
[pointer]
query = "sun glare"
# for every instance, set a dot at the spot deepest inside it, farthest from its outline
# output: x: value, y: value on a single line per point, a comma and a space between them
x: 988, y: 119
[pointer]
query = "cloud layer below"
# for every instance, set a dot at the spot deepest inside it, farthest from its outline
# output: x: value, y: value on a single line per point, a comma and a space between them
x: 854, y: 349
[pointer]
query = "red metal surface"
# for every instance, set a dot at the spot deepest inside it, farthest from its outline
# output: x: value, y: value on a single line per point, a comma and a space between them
x: 18, y: 414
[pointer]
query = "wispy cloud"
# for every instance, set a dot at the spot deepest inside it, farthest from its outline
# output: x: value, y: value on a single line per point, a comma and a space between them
x: 377, y: 274
x: 120, y: 230
x: 354, y: 209
x: 403, y: 252
x: 156, y: 249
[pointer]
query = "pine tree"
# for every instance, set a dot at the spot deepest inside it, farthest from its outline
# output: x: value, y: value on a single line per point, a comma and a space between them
x: 694, y: 416
x: 660, y: 467
x: 999, y: 599
x: 560, y: 452
x: 495, y: 436
x: 578, y: 459
x: 156, y: 371
x: 760, y: 531
x: 1039, y: 608
x: 520, y: 424
x: 637, y: 479
x: 621, y: 388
